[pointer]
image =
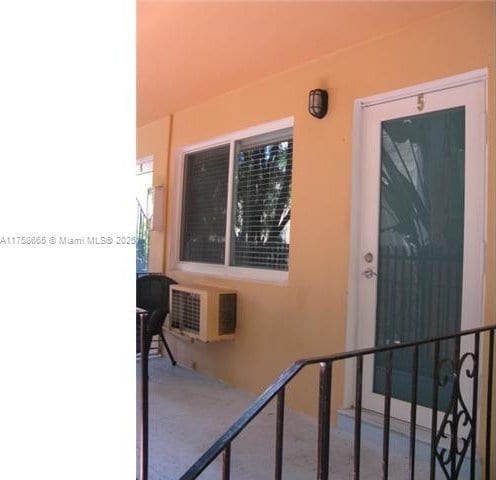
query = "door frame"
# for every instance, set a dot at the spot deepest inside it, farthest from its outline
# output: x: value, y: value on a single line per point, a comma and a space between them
x: 352, y: 342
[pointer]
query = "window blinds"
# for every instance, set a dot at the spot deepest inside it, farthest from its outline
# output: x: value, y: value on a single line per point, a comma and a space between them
x: 262, y: 201
x: 204, y: 205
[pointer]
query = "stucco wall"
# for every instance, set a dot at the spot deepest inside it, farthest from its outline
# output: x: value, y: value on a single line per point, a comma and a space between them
x: 278, y: 324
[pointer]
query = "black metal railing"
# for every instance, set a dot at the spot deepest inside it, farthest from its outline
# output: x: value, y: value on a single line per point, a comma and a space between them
x: 143, y: 466
x: 452, y: 438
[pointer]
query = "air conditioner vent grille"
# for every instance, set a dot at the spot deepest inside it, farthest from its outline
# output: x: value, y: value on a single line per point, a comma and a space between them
x: 185, y: 311
x: 227, y: 313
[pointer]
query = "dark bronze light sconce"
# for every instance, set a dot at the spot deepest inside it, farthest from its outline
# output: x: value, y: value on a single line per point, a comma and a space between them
x: 317, y: 102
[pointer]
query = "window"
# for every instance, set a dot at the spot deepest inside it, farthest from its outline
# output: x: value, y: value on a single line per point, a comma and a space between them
x: 236, y: 204
x: 204, y: 210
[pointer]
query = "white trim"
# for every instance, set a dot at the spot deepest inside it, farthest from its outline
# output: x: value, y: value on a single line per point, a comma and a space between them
x: 427, y: 87
x: 226, y: 270
x: 230, y: 183
x: 354, y: 264
x: 239, y: 135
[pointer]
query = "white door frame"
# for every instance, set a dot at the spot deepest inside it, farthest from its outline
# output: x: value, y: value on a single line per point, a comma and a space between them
x: 475, y: 76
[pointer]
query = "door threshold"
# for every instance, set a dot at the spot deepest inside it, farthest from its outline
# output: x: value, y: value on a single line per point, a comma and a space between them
x: 396, y: 425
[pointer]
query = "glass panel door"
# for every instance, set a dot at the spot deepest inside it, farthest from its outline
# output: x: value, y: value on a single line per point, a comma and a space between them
x: 421, y: 237
x: 421, y: 233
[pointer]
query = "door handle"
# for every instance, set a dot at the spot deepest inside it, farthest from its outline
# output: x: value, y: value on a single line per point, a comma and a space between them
x: 369, y: 273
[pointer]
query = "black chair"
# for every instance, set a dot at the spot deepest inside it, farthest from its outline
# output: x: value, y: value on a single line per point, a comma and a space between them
x: 152, y: 294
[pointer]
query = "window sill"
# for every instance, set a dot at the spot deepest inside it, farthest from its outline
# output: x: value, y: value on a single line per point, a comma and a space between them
x: 235, y: 273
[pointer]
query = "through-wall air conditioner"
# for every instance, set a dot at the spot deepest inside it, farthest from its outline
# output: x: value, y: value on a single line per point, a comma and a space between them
x: 204, y: 313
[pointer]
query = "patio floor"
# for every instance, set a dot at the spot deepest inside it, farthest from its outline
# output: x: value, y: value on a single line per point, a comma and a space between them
x: 188, y: 411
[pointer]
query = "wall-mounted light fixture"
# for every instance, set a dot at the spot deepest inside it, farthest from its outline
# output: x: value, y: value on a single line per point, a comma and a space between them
x: 317, y: 102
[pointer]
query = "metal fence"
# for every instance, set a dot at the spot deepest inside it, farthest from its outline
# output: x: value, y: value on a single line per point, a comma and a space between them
x: 450, y: 444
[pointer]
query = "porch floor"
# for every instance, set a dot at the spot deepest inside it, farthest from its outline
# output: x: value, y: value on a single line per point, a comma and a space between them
x: 188, y: 412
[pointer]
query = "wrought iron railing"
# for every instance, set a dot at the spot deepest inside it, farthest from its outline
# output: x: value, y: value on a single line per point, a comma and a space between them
x: 454, y: 440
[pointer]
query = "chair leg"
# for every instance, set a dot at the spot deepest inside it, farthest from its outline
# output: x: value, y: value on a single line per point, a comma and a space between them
x: 167, y: 348
x: 148, y: 345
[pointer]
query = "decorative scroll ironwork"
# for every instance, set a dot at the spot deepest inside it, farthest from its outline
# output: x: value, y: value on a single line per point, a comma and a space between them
x: 457, y: 429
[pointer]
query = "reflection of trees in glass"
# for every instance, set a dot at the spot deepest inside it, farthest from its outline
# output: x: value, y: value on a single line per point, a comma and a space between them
x: 262, y: 208
x: 422, y: 178
x: 420, y: 266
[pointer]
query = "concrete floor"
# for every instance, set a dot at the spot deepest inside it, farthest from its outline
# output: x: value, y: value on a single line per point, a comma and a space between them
x: 189, y: 411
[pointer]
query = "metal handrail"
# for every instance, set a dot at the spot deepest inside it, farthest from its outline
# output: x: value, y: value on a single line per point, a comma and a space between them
x: 223, y: 444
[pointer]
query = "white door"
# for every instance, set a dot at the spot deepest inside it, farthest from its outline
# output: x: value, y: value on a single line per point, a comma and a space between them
x: 421, y: 243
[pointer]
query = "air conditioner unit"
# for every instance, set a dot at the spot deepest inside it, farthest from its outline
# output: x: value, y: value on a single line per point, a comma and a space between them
x: 205, y: 313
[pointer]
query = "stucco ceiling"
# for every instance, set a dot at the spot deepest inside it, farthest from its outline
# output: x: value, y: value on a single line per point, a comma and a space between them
x: 190, y: 51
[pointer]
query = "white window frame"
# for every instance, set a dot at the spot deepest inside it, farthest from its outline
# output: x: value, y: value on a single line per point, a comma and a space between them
x: 225, y: 270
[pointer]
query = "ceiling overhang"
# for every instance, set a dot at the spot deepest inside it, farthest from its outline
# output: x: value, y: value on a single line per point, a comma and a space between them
x: 191, y: 51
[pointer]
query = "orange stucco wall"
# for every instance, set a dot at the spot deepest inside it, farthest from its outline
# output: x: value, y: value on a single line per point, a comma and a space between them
x: 307, y: 317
